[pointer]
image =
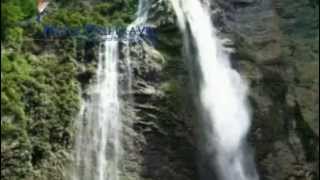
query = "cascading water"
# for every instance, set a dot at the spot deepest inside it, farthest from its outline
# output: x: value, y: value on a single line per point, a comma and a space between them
x: 223, y: 93
x: 98, y: 139
x: 142, y: 15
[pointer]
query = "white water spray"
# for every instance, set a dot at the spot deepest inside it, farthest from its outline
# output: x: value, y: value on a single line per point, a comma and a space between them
x: 223, y: 92
x: 98, y: 139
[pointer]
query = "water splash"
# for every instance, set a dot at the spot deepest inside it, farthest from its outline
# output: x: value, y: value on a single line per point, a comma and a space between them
x: 223, y: 93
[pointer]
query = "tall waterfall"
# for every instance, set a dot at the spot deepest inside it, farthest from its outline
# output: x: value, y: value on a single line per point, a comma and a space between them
x: 223, y: 94
x: 98, y: 146
x: 98, y: 138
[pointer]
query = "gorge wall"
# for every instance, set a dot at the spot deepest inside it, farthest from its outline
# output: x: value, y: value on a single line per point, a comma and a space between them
x: 276, y: 50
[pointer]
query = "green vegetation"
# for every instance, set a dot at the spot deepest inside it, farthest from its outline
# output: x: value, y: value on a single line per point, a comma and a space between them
x: 40, y: 86
x: 103, y: 14
x: 13, y: 12
x: 15, y: 141
x: 39, y: 99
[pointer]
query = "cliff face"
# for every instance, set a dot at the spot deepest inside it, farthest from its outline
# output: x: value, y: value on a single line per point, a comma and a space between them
x: 276, y: 50
x: 160, y: 141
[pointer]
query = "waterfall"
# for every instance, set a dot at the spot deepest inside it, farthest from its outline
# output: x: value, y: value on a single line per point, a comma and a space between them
x: 98, y: 146
x: 223, y: 94
x: 98, y: 137
x: 143, y: 11
x: 142, y: 15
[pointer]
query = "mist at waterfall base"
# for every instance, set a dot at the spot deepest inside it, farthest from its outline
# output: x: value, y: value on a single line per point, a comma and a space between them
x: 223, y: 97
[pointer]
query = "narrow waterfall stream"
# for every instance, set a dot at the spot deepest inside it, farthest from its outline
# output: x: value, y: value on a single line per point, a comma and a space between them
x: 98, y: 138
x: 142, y: 15
x: 98, y: 143
x: 223, y: 94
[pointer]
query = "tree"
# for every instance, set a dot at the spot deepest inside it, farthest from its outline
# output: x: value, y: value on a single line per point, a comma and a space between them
x: 14, y: 11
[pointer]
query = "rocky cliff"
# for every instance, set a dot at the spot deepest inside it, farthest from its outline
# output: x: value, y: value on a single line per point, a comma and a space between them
x: 276, y: 46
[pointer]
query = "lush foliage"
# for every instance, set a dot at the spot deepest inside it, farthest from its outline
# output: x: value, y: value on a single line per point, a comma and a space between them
x: 13, y: 12
x: 39, y: 99
x: 115, y: 12
x: 40, y: 86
